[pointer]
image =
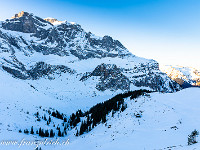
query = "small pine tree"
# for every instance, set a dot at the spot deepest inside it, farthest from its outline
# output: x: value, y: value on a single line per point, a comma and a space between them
x: 26, y: 131
x: 59, y: 133
x: 32, y: 132
x: 52, y: 133
x: 37, y: 114
x: 40, y: 131
x: 49, y: 119
x: 45, y: 117
x: 77, y: 133
x: 46, y: 133
x: 53, y: 114
x: 49, y: 112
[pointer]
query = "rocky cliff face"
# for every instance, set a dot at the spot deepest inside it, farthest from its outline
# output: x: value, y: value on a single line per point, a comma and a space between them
x: 26, y: 23
x: 32, y: 48
x: 111, y: 77
x: 62, y: 39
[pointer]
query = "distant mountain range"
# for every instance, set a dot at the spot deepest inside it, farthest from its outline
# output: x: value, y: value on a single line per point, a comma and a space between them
x: 185, y: 76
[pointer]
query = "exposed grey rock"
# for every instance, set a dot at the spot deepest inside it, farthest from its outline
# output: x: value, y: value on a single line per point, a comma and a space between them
x: 51, y: 20
x: 26, y: 23
x: 42, y: 69
x: 15, y: 73
x: 110, y: 78
x: 156, y: 82
x: 39, y: 70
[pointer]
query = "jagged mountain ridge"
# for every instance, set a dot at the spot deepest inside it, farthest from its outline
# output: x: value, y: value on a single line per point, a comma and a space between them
x: 62, y: 39
x: 32, y: 48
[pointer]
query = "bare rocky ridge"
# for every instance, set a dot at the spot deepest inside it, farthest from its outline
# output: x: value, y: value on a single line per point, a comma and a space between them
x: 21, y: 14
x: 52, y: 20
x: 29, y: 35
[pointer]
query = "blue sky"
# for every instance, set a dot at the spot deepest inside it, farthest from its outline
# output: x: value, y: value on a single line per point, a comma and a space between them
x: 165, y: 30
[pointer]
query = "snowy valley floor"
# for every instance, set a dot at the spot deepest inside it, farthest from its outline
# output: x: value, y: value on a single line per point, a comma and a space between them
x: 165, y: 123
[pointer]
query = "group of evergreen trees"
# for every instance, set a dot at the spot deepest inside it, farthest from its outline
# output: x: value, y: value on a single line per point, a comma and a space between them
x: 41, y: 132
x: 58, y: 115
x: 45, y: 133
x: 97, y: 114
x: 75, y: 118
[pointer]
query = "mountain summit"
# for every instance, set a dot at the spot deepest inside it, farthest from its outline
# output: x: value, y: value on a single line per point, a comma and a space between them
x: 21, y: 14
x: 27, y: 23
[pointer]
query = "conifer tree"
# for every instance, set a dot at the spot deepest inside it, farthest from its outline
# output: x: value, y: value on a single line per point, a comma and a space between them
x: 26, y: 131
x: 59, y: 133
x: 45, y: 117
x: 51, y: 133
x: 32, y: 132
x: 46, y: 133
x: 49, y: 119
x: 40, y: 131
x: 77, y: 134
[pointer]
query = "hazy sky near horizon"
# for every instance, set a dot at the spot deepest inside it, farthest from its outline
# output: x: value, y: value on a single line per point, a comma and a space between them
x: 165, y: 30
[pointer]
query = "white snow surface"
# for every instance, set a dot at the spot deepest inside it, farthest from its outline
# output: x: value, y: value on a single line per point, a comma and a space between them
x: 167, y: 119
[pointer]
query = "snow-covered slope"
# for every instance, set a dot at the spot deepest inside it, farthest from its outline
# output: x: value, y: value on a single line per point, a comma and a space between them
x: 166, y: 122
x: 186, y: 76
x: 165, y: 119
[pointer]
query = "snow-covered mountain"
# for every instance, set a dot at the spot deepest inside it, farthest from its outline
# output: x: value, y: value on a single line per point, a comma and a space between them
x: 51, y: 69
x: 185, y: 76
x: 35, y: 49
